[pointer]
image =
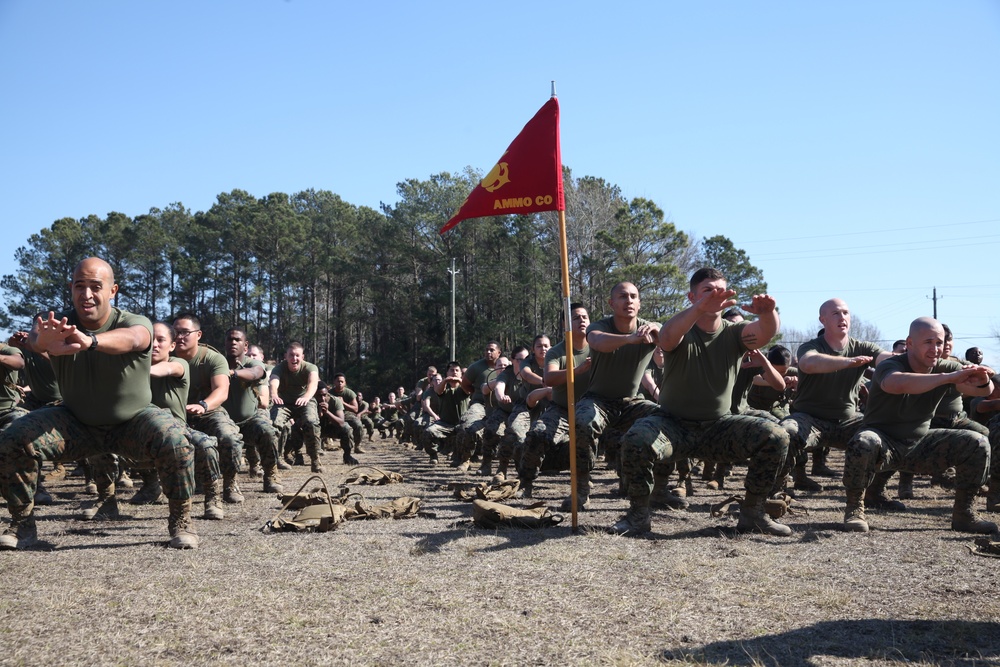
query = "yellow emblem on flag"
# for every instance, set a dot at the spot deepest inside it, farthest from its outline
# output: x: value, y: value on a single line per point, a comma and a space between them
x: 497, y: 178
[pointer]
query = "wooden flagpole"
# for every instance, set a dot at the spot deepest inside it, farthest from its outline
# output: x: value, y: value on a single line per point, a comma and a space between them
x: 570, y: 359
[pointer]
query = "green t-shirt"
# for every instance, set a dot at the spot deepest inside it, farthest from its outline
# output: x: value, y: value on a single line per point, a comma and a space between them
x: 433, y: 399
x: 514, y: 387
x: 700, y: 373
x: 744, y: 383
x: 292, y: 386
x: 555, y: 358
x: 904, y: 416
x: 618, y: 374
x: 105, y: 389
x: 244, y: 396
x: 206, y: 364
x: 348, y: 395
x: 9, y: 394
x: 38, y: 375
x: 478, y: 373
x: 171, y: 393
x: 833, y: 396
x: 951, y: 406
x: 454, y: 403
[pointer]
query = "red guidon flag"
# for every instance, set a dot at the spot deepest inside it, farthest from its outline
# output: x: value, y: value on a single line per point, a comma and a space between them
x: 528, y: 176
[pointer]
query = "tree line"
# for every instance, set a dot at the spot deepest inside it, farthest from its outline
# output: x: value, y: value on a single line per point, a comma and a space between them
x: 368, y: 291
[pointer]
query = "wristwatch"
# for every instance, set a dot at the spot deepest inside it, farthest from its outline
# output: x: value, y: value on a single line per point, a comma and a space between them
x: 93, y: 343
x: 204, y: 405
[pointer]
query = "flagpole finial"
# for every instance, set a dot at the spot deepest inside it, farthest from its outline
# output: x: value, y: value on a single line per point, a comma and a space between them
x: 553, y: 88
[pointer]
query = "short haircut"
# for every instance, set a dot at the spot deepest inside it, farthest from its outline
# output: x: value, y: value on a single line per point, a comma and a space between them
x: 295, y: 345
x: 189, y: 316
x: 241, y: 330
x: 576, y: 305
x: 899, y: 343
x: 705, y: 273
x: 338, y: 374
x: 779, y: 355
x: 454, y: 364
x: 731, y: 313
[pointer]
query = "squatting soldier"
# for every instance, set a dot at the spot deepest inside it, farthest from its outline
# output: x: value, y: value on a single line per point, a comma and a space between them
x: 702, y: 357
x: 896, y: 434
x: 101, y: 358
x: 246, y: 375
x: 209, y: 391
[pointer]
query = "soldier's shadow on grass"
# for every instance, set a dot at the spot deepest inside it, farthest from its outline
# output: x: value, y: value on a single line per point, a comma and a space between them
x: 514, y: 538
x: 936, y: 642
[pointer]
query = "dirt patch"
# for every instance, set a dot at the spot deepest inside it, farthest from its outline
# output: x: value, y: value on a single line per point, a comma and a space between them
x: 431, y: 591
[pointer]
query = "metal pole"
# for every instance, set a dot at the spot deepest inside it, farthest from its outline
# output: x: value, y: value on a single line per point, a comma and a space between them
x: 452, y: 271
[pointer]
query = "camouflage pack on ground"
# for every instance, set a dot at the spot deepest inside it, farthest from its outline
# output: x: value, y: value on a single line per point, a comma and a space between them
x: 488, y: 514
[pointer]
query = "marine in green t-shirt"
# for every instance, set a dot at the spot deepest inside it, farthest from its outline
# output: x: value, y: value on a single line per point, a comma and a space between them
x: 100, y: 356
x: 702, y: 353
x: 904, y: 394
x: 825, y: 411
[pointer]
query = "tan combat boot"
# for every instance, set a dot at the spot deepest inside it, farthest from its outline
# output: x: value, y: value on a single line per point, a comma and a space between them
x: 583, y: 486
x: 663, y: 497
x: 636, y: 521
x: 213, y: 501
x: 151, y: 493
x: 21, y: 533
x: 905, y: 491
x: 753, y: 517
x: 182, y: 532
x: 272, y: 483
x: 802, y: 482
x: 964, y: 518
x: 105, y: 508
x: 854, y: 515
x: 231, y: 490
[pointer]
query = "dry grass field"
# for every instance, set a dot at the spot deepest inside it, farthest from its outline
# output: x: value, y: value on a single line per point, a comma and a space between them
x: 437, y: 591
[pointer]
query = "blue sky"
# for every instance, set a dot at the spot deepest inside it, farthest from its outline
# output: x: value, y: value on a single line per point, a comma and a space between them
x: 851, y: 148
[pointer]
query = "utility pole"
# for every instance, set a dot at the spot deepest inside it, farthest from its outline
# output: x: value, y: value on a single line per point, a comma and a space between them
x: 452, y: 271
x: 934, y: 299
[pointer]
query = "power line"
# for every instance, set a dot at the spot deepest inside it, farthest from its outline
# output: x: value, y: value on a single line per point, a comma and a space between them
x: 867, y: 232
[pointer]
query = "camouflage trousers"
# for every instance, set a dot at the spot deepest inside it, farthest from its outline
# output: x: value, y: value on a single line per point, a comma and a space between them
x: 305, y: 416
x: 438, y: 435
x: 469, y: 433
x: 206, y: 455
x: 420, y: 426
x: 354, y: 423
x: 54, y: 434
x: 221, y: 426
x: 993, y: 428
x: 546, y: 446
x: 260, y: 439
x: 596, y: 415
x: 340, y: 432
x: 8, y: 416
x: 369, y: 425
x: 871, y: 451
x: 494, y: 428
x: 810, y: 434
x: 518, y: 424
x: 655, y: 441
